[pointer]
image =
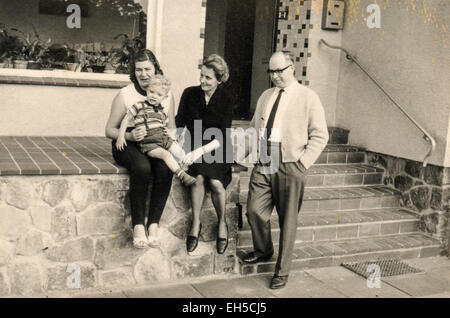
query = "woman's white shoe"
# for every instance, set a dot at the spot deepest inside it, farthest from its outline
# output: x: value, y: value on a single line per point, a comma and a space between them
x: 139, y: 237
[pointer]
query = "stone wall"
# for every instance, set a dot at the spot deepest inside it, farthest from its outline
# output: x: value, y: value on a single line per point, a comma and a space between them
x: 425, y: 190
x: 54, y: 229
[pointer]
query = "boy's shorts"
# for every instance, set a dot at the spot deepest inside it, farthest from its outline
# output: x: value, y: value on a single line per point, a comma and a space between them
x: 156, y: 138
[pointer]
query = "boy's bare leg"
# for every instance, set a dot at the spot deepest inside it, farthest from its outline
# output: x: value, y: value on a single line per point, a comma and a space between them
x: 165, y: 155
x: 172, y: 164
x: 176, y: 150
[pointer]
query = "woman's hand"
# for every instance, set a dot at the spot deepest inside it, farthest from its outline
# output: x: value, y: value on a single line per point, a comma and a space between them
x: 121, y: 143
x: 138, y: 133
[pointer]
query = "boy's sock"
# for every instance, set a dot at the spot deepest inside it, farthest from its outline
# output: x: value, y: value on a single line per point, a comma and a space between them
x: 185, y: 178
x: 184, y: 167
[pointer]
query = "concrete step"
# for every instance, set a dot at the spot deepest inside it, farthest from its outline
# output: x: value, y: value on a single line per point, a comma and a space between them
x: 334, y: 176
x: 341, y: 225
x: 332, y: 155
x: 345, y: 198
x: 334, y: 253
x: 336, y: 135
x: 350, y: 198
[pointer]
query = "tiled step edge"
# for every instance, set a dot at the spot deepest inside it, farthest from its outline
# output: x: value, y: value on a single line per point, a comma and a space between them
x: 309, y: 255
x: 312, y: 219
x: 345, y: 198
x: 340, y: 232
x: 319, y: 177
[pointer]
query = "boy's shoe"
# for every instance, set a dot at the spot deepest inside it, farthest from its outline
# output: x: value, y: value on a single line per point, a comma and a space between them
x: 186, y: 179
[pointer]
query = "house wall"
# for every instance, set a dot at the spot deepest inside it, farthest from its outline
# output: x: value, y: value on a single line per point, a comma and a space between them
x: 54, y: 110
x: 182, y: 42
x: 323, y: 63
x: 409, y: 56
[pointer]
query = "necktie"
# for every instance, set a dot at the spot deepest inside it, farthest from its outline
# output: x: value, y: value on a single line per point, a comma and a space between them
x: 271, y: 119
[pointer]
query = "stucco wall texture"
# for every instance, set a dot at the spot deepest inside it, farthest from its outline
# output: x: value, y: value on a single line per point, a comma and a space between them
x: 323, y: 65
x: 54, y: 110
x: 409, y: 56
x: 182, y: 45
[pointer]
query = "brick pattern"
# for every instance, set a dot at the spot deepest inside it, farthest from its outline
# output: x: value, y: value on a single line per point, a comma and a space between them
x: 342, y: 225
x: 334, y: 253
x: 293, y: 33
x: 22, y: 155
x: 58, y: 155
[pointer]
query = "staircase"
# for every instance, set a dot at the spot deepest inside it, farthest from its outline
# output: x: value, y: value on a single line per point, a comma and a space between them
x: 347, y: 215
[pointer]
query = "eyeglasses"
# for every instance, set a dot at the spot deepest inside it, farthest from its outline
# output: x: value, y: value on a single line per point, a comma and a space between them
x: 279, y: 71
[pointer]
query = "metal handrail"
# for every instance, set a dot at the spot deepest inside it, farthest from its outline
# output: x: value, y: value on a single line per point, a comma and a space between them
x: 426, y: 135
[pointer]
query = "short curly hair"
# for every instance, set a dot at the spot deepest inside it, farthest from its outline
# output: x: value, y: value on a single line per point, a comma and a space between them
x: 219, y: 66
x: 140, y: 56
x: 159, y: 82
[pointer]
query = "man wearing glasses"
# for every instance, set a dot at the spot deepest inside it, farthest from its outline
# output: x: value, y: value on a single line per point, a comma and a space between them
x: 295, y: 127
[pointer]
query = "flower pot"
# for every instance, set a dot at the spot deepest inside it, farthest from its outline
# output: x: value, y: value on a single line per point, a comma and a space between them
x: 20, y: 64
x: 33, y: 65
x: 71, y: 66
x: 97, y: 68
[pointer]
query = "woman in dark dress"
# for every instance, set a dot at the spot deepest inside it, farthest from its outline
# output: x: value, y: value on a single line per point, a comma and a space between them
x: 211, y: 106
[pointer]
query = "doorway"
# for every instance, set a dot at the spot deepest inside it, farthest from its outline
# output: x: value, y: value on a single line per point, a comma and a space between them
x: 243, y: 33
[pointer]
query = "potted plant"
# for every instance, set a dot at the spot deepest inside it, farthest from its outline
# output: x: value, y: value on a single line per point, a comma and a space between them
x: 31, y: 50
x: 76, y: 58
x: 96, y: 62
x: 112, y: 61
x: 10, y: 45
x: 130, y: 45
x: 55, y: 56
x: 3, y: 61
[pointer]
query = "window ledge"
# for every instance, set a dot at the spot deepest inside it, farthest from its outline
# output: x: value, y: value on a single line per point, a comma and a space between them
x: 62, y: 78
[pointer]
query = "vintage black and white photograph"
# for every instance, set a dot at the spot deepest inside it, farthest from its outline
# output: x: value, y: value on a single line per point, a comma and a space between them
x: 242, y: 151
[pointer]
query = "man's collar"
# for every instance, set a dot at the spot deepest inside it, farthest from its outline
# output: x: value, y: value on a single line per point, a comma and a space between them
x: 287, y: 88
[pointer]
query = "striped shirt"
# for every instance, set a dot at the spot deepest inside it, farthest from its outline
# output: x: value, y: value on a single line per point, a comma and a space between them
x: 147, y: 115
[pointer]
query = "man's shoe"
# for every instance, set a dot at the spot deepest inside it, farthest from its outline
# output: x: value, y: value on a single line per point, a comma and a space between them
x: 278, y: 282
x: 251, y: 258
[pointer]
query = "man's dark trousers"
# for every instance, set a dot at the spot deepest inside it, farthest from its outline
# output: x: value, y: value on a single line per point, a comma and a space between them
x: 284, y: 190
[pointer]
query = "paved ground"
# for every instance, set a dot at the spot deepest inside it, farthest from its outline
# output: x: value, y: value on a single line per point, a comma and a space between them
x: 329, y: 282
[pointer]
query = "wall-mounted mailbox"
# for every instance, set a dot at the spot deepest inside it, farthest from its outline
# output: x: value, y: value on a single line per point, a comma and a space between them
x: 333, y: 14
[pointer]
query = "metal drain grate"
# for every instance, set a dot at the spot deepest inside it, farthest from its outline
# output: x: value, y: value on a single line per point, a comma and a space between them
x: 388, y: 267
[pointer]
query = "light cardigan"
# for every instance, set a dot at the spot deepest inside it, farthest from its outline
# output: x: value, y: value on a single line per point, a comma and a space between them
x: 304, y: 129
